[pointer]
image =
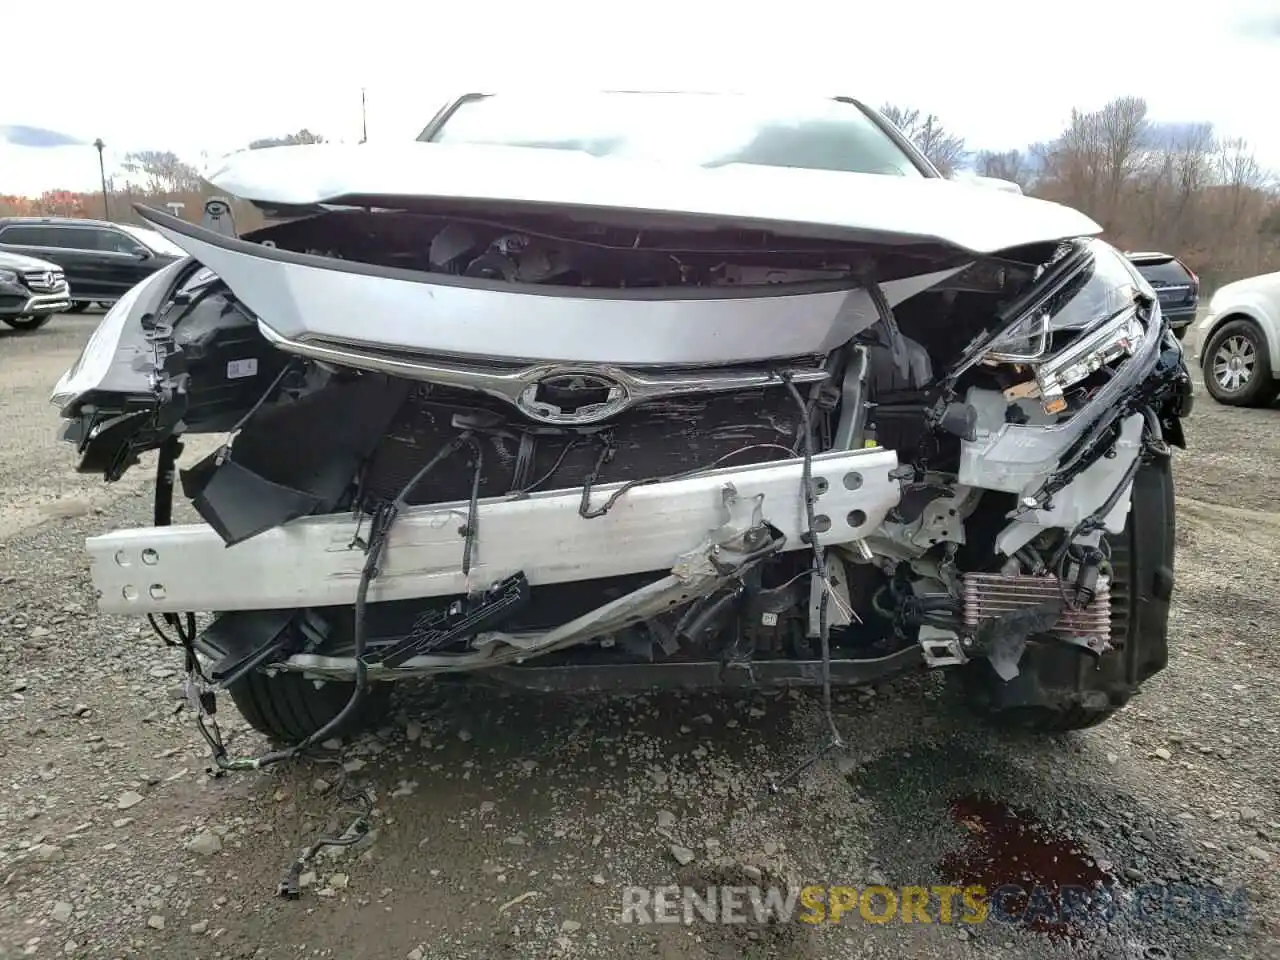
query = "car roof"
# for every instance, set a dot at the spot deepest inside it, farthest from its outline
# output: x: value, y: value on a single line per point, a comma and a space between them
x: 76, y: 221
x: 768, y: 90
x: 459, y: 96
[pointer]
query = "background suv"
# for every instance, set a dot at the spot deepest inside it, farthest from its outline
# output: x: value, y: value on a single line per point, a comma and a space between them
x: 1241, y: 355
x: 101, y: 260
x: 31, y: 291
x: 1176, y: 286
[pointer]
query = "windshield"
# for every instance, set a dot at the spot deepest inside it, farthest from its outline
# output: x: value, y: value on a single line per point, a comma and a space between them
x: 154, y: 240
x: 707, y: 130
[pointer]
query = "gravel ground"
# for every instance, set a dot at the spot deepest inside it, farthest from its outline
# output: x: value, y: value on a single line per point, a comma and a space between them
x: 507, y: 825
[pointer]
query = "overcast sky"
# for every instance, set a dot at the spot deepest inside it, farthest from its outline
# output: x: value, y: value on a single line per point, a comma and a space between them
x: 1002, y: 73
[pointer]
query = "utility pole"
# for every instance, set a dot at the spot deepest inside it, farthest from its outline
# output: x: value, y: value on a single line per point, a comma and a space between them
x: 102, y: 172
x: 364, y: 119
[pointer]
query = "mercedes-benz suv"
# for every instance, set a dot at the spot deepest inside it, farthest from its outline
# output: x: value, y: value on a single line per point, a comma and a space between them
x: 31, y: 291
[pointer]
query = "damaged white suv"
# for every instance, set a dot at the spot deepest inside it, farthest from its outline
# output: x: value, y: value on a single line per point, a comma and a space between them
x: 635, y: 390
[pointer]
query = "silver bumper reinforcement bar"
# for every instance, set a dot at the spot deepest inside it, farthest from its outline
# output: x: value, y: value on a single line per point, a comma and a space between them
x: 313, y: 562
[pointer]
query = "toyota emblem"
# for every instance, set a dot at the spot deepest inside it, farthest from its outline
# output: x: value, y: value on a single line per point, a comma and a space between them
x: 572, y: 396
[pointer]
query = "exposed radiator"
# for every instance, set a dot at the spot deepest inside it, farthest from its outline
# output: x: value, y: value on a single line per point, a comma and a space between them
x: 655, y: 439
x: 988, y: 595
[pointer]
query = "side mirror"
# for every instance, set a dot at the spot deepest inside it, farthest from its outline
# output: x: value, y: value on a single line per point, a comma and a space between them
x: 142, y: 253
x: 991, y: 183
x: 996, y: 183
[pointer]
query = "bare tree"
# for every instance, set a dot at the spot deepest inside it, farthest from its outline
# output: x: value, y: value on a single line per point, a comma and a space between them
x: 1191, y: 153
x: 1096, y: 155
x: 1122, y: 130
x: 163, y: 171
x: 1237, y: 166
x: 289, y: 139
x: 1073, y: 162
x: 1156, y: 186
x: 1239, y: 202
x: 1270, y: 225
x: 945, y: 150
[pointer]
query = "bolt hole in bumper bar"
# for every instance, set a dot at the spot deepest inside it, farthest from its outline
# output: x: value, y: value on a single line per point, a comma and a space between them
x: 311, y: 562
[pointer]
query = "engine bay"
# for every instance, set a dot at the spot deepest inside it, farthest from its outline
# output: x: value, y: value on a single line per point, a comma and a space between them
x: 522, y: 248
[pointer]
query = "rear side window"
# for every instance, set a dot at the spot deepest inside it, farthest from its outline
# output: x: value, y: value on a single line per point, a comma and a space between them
x: 69, y: 238
x: 76, y: 238
x: 113, y: 241
x: 28, y: 234
x: 1163, y: 273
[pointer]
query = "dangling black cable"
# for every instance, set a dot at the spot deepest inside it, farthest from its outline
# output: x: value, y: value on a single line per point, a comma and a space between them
x: 183, y: 624
x: 824, y: 584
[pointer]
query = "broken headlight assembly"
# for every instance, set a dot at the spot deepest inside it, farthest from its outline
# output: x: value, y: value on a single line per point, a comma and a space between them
x: 99, y: 351
x: 1115, y: 339
x: 1090, y: 321
x: 107, y: 361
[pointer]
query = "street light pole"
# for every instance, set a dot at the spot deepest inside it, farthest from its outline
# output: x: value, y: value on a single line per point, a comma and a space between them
x: 102, y: 172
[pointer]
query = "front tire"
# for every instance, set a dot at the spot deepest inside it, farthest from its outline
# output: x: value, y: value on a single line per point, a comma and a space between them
x: 1060, y: 687
x: 27, y: 323
x: 1237, y: 365
x: 289, y: 707
x: 78, y: 306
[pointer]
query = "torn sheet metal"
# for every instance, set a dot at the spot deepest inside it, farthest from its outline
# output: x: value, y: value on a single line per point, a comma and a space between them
x: 1085, y: 494
x: 741, y: 542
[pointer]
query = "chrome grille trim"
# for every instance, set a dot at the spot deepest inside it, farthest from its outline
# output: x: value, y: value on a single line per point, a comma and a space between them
x: 44, y: 281
x: 515, y: 383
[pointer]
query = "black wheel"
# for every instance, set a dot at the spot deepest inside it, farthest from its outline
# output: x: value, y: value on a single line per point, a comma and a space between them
x: 1060, y: 687
x: 78, y: 306
x: 1237, y: 365
x: 27, y: 323
x: 289, y: 707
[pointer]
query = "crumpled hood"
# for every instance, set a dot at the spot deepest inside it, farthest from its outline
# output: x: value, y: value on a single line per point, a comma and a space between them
x: 307, y: 297
x: 833, y: 204
x: 18, y: 261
